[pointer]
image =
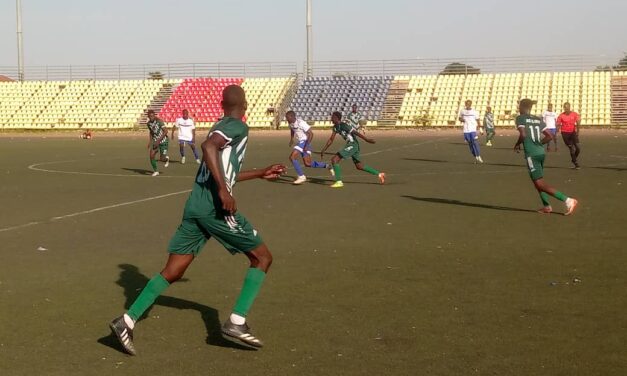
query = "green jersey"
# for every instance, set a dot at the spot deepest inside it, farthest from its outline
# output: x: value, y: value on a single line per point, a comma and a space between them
x: 157, y: 129
x: 353, y: 119
x: 346, y: 131
x: 205, y: 190
x: 534, y: 128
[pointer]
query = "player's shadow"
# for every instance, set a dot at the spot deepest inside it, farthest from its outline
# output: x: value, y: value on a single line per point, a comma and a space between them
x: 468, y: 204
x: 318, y: 181
x: 132, y: 281
x: 612, y: 168
x: 139, y: 171
x: 426, y: 160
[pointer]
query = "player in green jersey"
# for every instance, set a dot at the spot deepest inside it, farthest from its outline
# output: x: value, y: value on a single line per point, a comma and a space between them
x: 350, y: 150
x: 533, y: 135
x: 355, y: 119
x: 157, y: 141
x: 211, y: 211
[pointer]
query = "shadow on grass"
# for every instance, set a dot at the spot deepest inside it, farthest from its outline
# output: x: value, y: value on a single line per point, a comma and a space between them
x: 612, y: 168
x: 319, y: 181
x: 468, y: 204
x: 139, y: 171
x: 132, y: 281
x: 426, y: 160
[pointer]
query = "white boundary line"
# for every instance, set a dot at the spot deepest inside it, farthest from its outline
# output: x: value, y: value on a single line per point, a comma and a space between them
x: 35, y: 167
x: 53, y: 219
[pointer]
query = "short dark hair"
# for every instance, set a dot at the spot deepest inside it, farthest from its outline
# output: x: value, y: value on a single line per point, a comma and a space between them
x: 150, y: 112
x: 338, y: 114
x: 290, y: 112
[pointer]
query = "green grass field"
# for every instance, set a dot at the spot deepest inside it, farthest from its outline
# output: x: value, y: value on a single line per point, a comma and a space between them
x: 445, y: 270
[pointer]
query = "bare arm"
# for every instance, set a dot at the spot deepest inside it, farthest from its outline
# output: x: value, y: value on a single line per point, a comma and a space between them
x: 547, y: 137
x: 363, y: 137
x: 269, y: 173
x: 211, y: 156
x: 326, y: 146
x: 310, y: 136
x: 173, y: 129
x: 291, y: 137
x: 522, y: 134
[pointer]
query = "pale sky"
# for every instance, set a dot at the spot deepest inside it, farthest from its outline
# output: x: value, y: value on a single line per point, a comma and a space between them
x: 91, y: 32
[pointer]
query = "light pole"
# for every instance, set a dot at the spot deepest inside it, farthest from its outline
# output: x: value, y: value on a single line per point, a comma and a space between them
x: 20, y: 43
x: 309, y: 70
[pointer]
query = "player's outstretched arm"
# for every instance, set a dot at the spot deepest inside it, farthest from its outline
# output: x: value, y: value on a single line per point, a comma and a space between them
x: 211, y: 155
x: 363, y: 137
x: 269, y: 173
x: 326, y: 146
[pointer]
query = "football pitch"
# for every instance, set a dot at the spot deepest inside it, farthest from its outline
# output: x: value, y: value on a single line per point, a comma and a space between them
x: 445, y: 270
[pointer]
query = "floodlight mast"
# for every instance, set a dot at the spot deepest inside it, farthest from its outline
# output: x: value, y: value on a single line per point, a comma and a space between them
x: 20, y: 42
x: 309, y: 70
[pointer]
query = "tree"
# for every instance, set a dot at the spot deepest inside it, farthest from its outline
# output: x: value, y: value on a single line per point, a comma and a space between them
x: 460, y: 68
x: 155, y: 75
x: 621, y: 66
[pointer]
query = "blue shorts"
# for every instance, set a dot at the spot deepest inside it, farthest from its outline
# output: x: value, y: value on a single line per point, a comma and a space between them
x: 552, y: 130
x: 303, y: 148
x: 470, y: 137
x: 183, y: 142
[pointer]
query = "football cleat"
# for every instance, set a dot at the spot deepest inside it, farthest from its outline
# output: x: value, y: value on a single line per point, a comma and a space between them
x: 571, y: 204
x: 167, y: 162
x: 156, y: 173
x: 182, y: 160
x: 124, y: 334
x: 337, y: 184
x: 382, y: 177
x: 300, y: 180
x: 241, y: 332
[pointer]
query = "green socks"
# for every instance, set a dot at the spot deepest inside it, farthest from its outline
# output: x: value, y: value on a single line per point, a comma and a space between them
x: 545, y: 199
x: 560, y: 196
x: 250, y: 290
x: 338, y: 172
x: 153, y: 289
x: 153, y: 163
x: 371, y: 170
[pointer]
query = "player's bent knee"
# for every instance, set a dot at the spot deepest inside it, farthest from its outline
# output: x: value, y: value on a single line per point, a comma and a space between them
x: 260, y: 258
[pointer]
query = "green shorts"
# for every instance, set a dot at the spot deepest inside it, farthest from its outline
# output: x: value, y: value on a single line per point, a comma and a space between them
x: 535, y: 165
x: 163, y: 148
x: 350, y: 151
x: 235, y: 233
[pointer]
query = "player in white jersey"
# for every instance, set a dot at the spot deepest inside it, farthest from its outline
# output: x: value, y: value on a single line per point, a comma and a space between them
x: 470, y: 118
x: 187, y: 135
x: 304, y: 135
x: 550, y: 119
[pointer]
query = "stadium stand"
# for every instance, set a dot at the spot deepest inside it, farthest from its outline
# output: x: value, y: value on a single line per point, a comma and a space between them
x: 264, y: 97
x: 384, y: 100
x: 318, y: 97
x: 417, y: 101
x: 200, y: 96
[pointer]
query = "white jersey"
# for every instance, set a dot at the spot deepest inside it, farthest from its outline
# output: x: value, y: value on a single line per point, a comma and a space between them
x: 185, y: 128
x: 300, y: 129
x: 549, y: 118
x: 470, y: 118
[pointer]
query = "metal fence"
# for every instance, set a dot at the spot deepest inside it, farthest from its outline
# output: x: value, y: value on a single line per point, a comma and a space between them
x: 453, y: 65
x: 143, y: 71
x: 456, y: 65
